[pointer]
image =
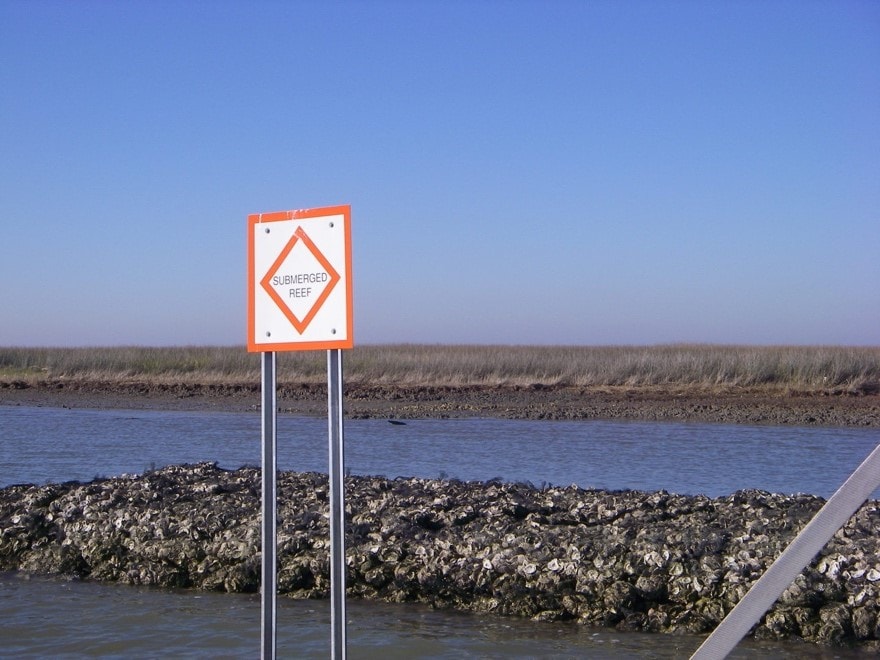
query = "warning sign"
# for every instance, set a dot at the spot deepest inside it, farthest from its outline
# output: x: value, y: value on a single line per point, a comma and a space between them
x: 299, y: 280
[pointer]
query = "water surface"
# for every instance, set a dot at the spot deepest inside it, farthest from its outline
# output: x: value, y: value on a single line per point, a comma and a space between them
x: 44, y: 617
x: 38, y: 445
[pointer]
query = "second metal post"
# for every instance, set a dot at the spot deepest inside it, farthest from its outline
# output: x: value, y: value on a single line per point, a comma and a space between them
x: 269, y: 577
x: 337, y: 504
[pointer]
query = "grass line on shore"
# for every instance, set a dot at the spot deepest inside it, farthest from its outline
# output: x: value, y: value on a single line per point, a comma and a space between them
x: 803, y: 368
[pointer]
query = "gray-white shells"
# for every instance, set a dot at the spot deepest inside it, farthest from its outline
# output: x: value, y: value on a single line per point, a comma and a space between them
x: 643, y: 561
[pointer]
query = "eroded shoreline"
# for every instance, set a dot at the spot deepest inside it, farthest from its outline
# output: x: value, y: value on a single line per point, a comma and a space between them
x: 728, y: 405
x: 633, y: 560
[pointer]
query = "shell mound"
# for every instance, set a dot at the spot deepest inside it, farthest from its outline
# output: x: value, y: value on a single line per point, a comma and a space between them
x: 634, y: 560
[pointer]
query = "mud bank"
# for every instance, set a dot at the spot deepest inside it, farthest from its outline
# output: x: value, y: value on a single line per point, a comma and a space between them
x: 633, y: 560
x: 649, y: 403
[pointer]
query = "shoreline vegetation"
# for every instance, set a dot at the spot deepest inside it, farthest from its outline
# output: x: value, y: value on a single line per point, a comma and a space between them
x: 804, y: 385
x: 837, y: 369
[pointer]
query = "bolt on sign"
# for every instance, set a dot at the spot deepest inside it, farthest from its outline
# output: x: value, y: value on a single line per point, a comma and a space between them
x: 299, y: 280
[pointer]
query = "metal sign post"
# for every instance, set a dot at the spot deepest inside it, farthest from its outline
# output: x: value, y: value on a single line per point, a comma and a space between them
x: 300, y: 299
x: 337, y: 504
x: 270, y: 506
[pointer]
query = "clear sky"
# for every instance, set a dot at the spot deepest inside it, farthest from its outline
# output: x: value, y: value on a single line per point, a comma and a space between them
x: 519, y: 172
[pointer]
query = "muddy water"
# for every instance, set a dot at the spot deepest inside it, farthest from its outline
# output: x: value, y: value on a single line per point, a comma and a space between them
x: 42, y: 618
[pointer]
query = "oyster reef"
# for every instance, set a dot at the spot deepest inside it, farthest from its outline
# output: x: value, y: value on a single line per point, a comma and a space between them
x: 633, y: 560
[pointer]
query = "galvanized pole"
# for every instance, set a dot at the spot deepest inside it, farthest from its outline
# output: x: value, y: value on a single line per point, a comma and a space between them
x: 270, y: 504
x: 337, y: 505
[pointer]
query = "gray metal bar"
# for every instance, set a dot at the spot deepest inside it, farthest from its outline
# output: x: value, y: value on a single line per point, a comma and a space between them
x: 811, y: 539
x: 337, y: 505
x: 270, y: 505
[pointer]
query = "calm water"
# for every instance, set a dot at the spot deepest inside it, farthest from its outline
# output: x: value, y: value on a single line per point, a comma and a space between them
x: 38, y: 445
x: 41, y: 618
x: 46, y: 617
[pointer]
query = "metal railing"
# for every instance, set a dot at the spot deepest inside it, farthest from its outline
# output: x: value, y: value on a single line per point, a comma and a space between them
x: 782, y: 572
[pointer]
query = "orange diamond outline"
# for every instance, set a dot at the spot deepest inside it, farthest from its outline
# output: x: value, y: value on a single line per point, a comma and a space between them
x: 300, y: 325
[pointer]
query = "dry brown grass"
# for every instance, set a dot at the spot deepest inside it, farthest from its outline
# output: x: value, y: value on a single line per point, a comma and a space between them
x: 803, y: 368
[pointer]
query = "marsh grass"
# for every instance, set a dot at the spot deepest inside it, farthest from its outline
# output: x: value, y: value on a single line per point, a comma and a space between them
x: 855, y: 369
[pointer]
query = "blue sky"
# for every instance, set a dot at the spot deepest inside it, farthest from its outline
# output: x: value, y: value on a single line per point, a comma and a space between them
x: 518, y: 172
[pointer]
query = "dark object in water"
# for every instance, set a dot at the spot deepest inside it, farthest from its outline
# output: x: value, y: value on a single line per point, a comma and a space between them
x: 396, y: 422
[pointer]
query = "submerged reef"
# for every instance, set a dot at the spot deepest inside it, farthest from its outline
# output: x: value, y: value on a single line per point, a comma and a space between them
x: 633, y: 560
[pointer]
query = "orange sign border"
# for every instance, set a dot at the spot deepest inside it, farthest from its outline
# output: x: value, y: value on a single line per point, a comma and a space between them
x: 300, y: 214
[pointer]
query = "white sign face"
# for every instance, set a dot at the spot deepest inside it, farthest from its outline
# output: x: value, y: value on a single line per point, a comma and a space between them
x: 300, y: 280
